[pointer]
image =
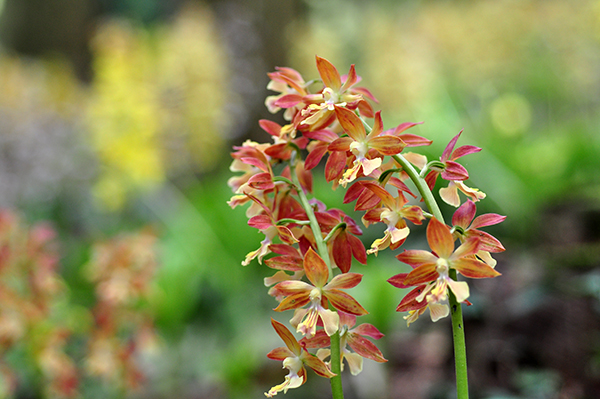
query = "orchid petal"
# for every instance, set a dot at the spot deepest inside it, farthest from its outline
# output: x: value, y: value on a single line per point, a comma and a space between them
x: 405, y: 126
x: 473, y: 268
x: 341, y: 255
x: 382, y: 193
x: 288, y: 101
x: 417, y: 257
x: 317, y: 365
x: 351, y: 79
x: 421, y: 274
x: 344, y: 281
x: 449, y: 148
x: 315, y: 269
x: 319, y: 340
x: 450, y: 195
x: 464, y: 215
x: 439, y: 238
x: 377, y: 126
x: 454, y: 171
x: 409, y: 302
x: 368, y: 330
x: 261, y: 222
x: 315, y: 155
x: 397, y: 235
x: 331, y: 321
x: 355, y: 362
x: 329, y: 74
x: 464, y: 150
x: 351, y: 123
x: 467, y: 248
x: 460, y: 289
x: 398, y: 280
x: 335, y: 165
x: 365, y: 348
x: 387, y: 145
x: 344, y: 302
x: 280, y: 354
x: 369, y: 165
x: 487, y: 219
x: 270, y: 127
x: 438, y: 311
x: 487, y: 242
x: 358, y: 249
x: 285, y: 262
x: 487, y: 258
x: 287, y: 337
x: 341, y: 144
x: 292, y: 301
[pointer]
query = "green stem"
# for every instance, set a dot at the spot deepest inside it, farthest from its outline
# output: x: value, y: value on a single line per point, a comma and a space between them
x: 421, y: 186
x: 460, y: 347
x: 335, y: 359
x: 458, y: 333
x: 337, y: 390
x: 314, y: 224
x: 341, y: 225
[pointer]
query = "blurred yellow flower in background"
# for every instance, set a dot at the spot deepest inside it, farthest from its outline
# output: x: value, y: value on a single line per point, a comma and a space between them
x: 157, y: 103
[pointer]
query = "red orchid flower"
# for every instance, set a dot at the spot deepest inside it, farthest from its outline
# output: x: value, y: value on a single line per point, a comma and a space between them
x: 344, y: 242
x: 434, y: 266
x: 294, y: 357
x: 285, y: 141
x: 448, y: 168
x: 355, y: 338
x: 338, y: 92
x: 392, y: 213
x: 266, y: 222
x: 291, y: 87
x: 466, y: 226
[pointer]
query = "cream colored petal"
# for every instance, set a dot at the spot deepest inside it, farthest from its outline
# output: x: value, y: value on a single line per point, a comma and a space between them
x: 487, y: 258
x: 355, y: 362
x: 399, y: 234
x: 450, y: 195
x: 331, y: 321
x: 416, y: 159
x: 438, y: 311
x: 460, y: 289
x: 369, y: 165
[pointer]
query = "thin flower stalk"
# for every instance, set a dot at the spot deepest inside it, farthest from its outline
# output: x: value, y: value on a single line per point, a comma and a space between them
x: 458, y: 333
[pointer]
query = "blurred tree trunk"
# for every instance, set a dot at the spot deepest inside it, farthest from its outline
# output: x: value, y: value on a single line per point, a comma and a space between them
x: 43, y: 27
x: 256, y: 35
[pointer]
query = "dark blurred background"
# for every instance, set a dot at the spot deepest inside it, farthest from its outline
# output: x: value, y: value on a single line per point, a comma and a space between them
x: 119, y: 114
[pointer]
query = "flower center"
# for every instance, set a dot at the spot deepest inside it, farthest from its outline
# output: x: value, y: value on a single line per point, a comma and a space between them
x: 315, y: 295
x: 442, y: 266
x: 390, y: 218
x: 292, y: 363
x: 359, y: 149
x: 331, y: 98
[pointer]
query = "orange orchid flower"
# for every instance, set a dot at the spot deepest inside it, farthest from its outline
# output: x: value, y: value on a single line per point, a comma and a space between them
x: 299, y: 293
x: 358, y: 142
x: 294, y: 358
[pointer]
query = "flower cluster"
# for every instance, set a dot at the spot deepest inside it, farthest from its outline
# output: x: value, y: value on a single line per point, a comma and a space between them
x: 32, y: 295
x: 312, y: 247
x: 37, y: 318
x: 121, y: 270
